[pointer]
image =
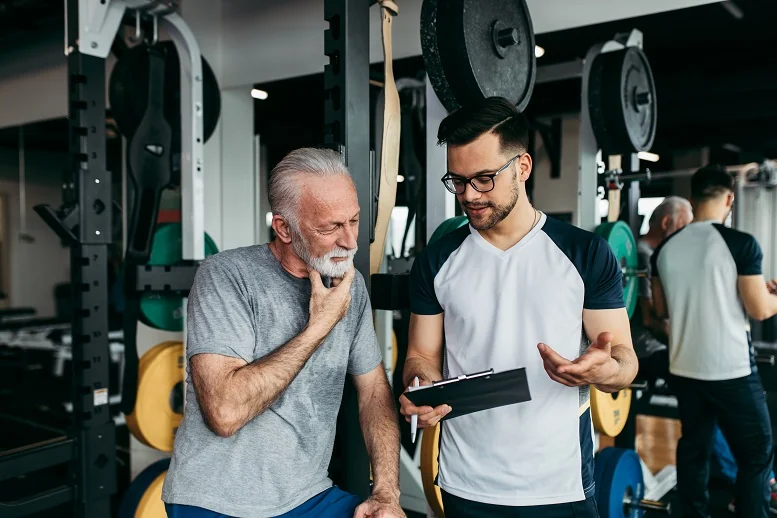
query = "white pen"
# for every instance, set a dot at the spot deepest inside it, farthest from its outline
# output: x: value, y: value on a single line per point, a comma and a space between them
x: 414, y: 417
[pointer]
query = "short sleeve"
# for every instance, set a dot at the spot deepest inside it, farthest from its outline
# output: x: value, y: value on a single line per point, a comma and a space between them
x: 604, y: 286
x: 365, y: 352
x: 749, y: 257
x: 643, y: 283
x: 423, y: 300
x: 219, y: 315
x: 654, y: 262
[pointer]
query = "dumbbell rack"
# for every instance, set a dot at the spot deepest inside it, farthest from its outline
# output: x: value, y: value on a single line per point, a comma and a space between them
x: 84, y: 223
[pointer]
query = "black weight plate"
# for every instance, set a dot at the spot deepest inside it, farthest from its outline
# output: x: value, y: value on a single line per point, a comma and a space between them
x: 622, y: 101
x: 475, y: 49
x: 128, y: 91
x: 431, y: 56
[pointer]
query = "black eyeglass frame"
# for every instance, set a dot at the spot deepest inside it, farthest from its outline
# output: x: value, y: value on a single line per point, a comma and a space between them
x: 490, y: 176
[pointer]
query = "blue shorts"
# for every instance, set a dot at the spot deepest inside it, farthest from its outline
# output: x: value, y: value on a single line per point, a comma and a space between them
x: 332, y: 503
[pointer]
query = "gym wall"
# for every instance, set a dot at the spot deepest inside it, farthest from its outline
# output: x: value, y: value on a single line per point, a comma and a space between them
x: 558, y: 195
x: 33, y: 269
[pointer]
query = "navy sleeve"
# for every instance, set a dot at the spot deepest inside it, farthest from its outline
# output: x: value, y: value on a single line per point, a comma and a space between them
x: 604, y: 279
x: 744, y: 249
x: 423, y: 300
x: 654, y: 263
x: 643, y: 283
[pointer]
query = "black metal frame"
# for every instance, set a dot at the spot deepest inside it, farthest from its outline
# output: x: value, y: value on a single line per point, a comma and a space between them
x: 347, y: 128
x: 85, y: 223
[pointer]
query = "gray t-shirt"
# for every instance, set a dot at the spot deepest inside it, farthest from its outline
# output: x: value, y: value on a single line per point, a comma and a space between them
x: 243, y: 304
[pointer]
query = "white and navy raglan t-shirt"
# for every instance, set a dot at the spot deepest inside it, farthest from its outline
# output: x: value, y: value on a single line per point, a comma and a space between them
x: 698, y: 267
x: 498, y: 305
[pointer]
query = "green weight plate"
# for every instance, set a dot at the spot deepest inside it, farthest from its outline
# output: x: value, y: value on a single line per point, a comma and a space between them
x: 448, y: 226
x: 620, y: 238
x: 165, y: 311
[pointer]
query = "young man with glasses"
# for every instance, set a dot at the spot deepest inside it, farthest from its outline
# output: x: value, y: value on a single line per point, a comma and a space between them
x: 707, y: 278
x: 514, y: 289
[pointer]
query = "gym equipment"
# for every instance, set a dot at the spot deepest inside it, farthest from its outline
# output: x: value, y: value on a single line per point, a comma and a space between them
x: 620, y: 485
x: 474, y: 49
x: 620, y: 238
x: 159, y: 405
x: 145, y: 93
x: 129, y: 91
x: 165, y: 310
x: 389, y: 156
x: 430, y: 450
x: 143, y: 498
x: 610, y: 411
x: 622, y: 101
x: 85, y: 224
x: 448, y: 226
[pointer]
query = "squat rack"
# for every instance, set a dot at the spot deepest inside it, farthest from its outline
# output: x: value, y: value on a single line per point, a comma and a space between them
x: 85, y: 223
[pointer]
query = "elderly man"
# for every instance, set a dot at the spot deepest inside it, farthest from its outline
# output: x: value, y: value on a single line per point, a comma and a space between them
x: 650, y: 333
x: 272, y: 332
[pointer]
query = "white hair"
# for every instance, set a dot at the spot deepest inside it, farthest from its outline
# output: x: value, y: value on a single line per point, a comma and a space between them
x: 287, y: 179
x: 671, y: 206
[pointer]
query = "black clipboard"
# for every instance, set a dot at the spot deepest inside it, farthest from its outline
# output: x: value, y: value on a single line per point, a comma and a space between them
x: 471, y: 393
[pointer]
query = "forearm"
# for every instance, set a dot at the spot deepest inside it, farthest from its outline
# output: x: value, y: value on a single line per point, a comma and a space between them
x: 425, y: 368
x: 628, y: 365
x: 378, y: 419
x: 249, y: 390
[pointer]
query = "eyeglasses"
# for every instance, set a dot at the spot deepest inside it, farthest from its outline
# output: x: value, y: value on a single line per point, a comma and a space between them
x: 481, y: 183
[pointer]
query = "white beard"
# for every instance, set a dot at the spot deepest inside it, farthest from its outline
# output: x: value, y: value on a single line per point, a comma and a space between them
x: 325, y: 266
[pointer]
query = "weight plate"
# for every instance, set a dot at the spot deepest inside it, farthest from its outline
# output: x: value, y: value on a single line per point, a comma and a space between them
x: 159, y: 406
x: 620, y: 238
x: 610, y: 411
x: 128, y: 91
x: 474, y: 50
x: 622, y: 101
x: 138, y: 488
x: 618, y: 476
x: 448, y: 226
x: 430, y: 451
x: 165, y: 310
x: 151, y: 504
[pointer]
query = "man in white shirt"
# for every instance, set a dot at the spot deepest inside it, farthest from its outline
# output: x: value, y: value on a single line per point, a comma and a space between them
x: 707, y: 279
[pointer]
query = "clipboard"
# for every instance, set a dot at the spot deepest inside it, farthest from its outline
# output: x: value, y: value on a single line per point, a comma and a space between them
x: 475, y: 392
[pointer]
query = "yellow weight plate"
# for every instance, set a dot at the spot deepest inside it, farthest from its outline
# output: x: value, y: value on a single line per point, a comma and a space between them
x: 610, y: 411
x: 430, y: 449
x: 158, y: 407
x: 151, y: 504
x: 131, y: 420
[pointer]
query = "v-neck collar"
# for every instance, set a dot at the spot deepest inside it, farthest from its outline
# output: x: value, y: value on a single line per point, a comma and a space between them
x: 486, y: 245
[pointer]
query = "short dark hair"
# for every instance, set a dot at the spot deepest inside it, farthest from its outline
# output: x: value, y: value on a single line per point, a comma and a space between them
x: 710, y: 182
x: 493, y: 114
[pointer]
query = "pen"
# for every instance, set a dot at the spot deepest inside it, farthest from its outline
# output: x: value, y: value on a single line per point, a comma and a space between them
x: 414, y: 417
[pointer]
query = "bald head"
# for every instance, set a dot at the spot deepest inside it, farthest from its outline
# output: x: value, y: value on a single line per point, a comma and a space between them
x: 671, y: 215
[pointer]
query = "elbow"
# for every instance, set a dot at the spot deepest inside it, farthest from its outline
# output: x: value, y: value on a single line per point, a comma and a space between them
x: 761, y: 315
x: 222, y: 422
